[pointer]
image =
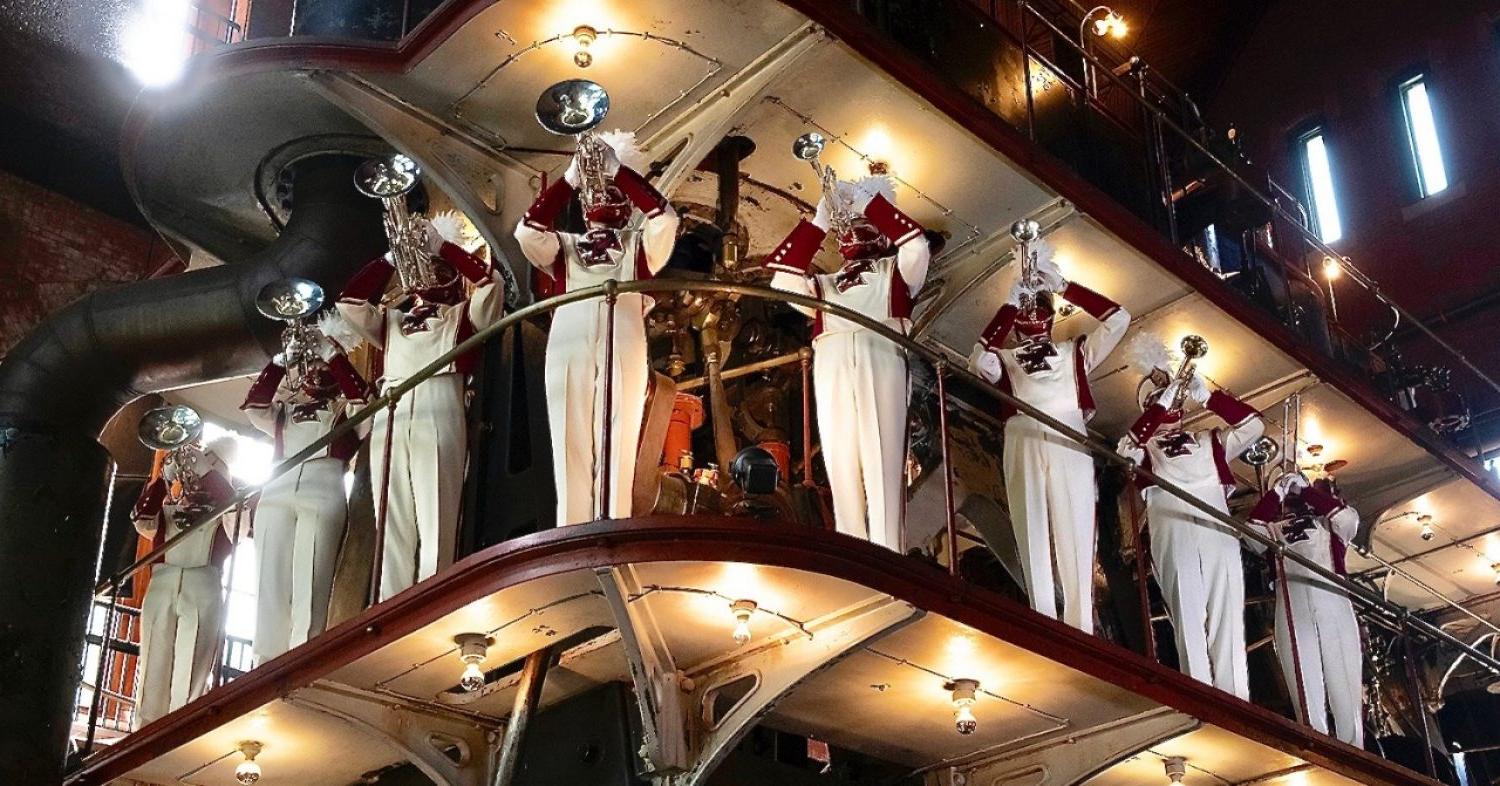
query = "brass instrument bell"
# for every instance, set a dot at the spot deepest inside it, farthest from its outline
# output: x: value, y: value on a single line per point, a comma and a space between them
x: 387, y: 178
x: 170, y: 427
x: 809, y: 146
x: 289, y: 299
x: 1026, y: 231
x: 572, y: 106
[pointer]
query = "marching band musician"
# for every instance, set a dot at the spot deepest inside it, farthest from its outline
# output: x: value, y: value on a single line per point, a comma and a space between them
x: 1311, y: 520
x: 1197, y: 559
x: 427, y: 436
x: 184, y: 603
x: 860, y: 378
x: 300, y: 518
x: 1049, y: 478
x: 610, y: 249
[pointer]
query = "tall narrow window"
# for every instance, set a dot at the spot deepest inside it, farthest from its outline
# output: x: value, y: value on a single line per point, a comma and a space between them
x: 1317, y: 174
x: 1421, y: 133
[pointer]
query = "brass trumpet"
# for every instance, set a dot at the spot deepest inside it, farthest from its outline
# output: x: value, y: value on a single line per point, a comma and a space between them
x: 1193, y: 348
x: 809, y: 147
x: 1026, y: 233
x: 292, y: 301
x: 174, y: 429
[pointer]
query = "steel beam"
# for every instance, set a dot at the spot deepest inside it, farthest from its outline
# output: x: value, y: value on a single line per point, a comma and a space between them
x: 659, y: 686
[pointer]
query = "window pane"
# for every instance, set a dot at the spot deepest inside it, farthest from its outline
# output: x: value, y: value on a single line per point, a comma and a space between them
x: 1421, y: 129
x: 1320, y: 187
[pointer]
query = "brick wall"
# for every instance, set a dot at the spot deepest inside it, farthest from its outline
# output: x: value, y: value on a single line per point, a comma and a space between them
x: 54, y: 250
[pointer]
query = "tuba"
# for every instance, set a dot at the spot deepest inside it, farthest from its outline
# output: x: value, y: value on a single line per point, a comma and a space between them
x: 390, y: 180
x: 1193, y: 348
x: 807, y: 148
x: 293, y: 301
x: 575, y: 107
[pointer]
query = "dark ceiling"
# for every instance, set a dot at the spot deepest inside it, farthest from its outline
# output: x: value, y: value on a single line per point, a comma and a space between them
x: 1192, y: 42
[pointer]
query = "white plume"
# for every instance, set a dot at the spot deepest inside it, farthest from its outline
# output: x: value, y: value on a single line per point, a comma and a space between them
x: 333, y: 325
x: 859, y: 193
x: 456, y: 228
x: 627, y: 150
x: 1147, y: 352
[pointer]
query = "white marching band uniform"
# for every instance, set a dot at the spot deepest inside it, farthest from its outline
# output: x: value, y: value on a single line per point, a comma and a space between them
x: 1049, y: 478
x: 184, y: 604
x: 860, y: 378
x: 1314, y: 523
x: 301, y: 515
x: 577, y: 343
x: 1197, y: 559
x: 429, y: 444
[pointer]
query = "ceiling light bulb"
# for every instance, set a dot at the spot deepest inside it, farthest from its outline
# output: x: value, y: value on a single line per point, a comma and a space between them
x: 1427, y: 531
x: 584, y: 36
x: 1117, y: 26
x: 965, y: 693
x: 472, y: 648
x: 1496, y: 567
x: 742, y: 609
x: 249, y: 771
x: 1176, y: 768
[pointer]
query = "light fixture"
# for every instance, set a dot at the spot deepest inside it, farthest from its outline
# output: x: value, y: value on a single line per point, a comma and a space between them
x: 1426, y: 521
x: 965, y: 693
x: 1176, y: 768
x: 1496, y: 568
x: 249, y: 771
x: 1110, y: 24
x: 154, y: 44
x: 1332, y: 269
x: 472, y: 648
x: 583, y: 37
x: 742, y: 609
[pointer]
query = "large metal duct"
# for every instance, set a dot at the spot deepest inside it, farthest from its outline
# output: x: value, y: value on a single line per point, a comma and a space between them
x: 61, y: 384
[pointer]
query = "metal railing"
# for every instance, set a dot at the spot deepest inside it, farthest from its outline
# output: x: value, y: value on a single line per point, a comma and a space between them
x: 1376, y: 608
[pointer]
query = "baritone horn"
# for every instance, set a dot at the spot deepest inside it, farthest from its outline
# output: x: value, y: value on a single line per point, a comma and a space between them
x: 1193, y: 349
x: 292, y: 301
x: 809, y: 147
x: 575, y: 107
x: 170, y: 427
x: 390, y: 179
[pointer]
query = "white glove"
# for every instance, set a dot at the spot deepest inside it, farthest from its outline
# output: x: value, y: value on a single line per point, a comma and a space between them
x: 279, y: 360
x: 1050, y: 274
x: 1127, y: 448
x: 611, y: 160
x: 1168, y: 394
x: 1289, y: 484
x: 431, y: 238
x: 823, y: 218
x: 984, y: 362
x: 327, y: 348
x: 1198, y: 389
x: 573, y: 175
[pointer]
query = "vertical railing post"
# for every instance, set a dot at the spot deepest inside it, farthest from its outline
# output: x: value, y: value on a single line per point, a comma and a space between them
x: 804, y: 359
x: 528, y: 697
x: 606, y: 463
x: 1024, y: 10
x: 949, y: 511
x: 96, y: 702
x: 1142, y: 573
x: 216, y: 677
x: 1418, y: 700
x: 377, y: 561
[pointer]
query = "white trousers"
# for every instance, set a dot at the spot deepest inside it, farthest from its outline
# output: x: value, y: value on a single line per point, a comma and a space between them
x: 1332, y: 659
x: 299, y: 523
x: 1199, y: 570
x: 860, y: 382
x: 1049, y: 484
x: 427, y: 481
x: 180, y: 620
x: 575, y: 405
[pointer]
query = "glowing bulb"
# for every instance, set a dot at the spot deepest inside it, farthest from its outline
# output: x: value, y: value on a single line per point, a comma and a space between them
x: 742, y: 609
x: 249, y: 771
x: 472, y: 647
x: 1111, y: 24
x: 1427, y: 530
x: 154, y: 44
x: 583, y: 37
x: 965, y: 693
x: 1331, y: 268
x: 1176, y: 767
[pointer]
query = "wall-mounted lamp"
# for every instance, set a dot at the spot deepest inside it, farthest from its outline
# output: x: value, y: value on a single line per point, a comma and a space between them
x: 472, y: 649
x: 1332, y: 269
x: 1426, y: 521
x: 584, y: 36
x: 965, y: 693
x: 742, y: 609
x: 249, y: 771
x: 1109, y: 23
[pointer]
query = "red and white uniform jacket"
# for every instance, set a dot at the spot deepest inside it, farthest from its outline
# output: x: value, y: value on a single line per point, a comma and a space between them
x: 1196, y: 460
x: 1053, y: 376
x: 883, y: 289
x: 414, y: 332
x: 295, y: 424
x: 1313, y: 523
x: 573, y: 261
x: 163, y: 511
